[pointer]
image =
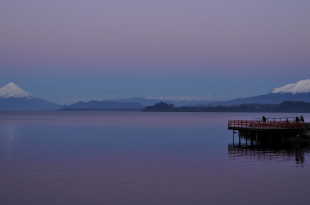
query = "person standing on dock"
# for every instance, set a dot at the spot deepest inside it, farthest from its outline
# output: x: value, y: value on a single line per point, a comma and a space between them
x: 302, y: 118
x: 297, y: 119
x: 264, y: 119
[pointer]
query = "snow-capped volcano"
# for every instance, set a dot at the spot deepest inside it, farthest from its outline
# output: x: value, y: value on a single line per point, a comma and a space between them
x: 11, y: 90
x: 14, y: 98
x: 299, y: 91
x: 302, y: 86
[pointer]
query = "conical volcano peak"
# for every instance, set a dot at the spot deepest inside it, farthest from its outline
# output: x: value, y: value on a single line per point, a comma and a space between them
x: 12, y: 85
x: 13, y: 90
x: 302, y: 86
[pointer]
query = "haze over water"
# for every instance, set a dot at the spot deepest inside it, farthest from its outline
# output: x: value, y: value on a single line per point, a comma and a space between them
x: 142, y: 158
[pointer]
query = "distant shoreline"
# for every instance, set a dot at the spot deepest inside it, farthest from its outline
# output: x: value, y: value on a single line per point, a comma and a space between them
x: 284, y: 107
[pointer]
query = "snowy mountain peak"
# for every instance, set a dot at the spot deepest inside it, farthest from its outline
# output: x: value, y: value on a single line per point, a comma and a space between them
x: 12, y: 90
x: 302, y: 86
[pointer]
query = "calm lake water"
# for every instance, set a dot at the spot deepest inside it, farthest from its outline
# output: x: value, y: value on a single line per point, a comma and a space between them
x: 54, y: 158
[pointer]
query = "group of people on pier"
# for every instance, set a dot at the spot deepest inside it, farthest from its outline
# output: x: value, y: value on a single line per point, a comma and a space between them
x: 296, y: 119
x: 301, y: 119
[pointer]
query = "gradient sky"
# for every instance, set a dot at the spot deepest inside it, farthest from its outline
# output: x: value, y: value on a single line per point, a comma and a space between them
x: 68, y: 50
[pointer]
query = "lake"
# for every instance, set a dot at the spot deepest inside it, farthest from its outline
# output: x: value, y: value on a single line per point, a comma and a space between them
x: 120, y: 158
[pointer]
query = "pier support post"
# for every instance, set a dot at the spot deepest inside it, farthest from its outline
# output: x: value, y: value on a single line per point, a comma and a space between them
x: 233, y: 138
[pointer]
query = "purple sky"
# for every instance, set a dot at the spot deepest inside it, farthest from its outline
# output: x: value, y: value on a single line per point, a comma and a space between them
x: 220, y: 49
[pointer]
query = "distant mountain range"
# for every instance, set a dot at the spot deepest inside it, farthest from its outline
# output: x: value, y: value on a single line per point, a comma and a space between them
x: 13, y: 97
x: 148, y: 102
x: 104, y: 106
x: 299, y: 91
x: 271, y: 98
x: 128, y: 104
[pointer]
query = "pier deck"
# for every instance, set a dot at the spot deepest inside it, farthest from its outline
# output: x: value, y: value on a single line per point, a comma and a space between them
x: 260, y: 125
x: 284, y: 126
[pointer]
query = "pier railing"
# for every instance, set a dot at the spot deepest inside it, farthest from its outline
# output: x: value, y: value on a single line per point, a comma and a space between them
x: 256, y: 124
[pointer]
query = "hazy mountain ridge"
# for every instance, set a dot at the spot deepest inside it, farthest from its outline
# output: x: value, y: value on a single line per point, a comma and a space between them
x: 299, y: 91
x: 266, y: 99
x: 149, y: 102
x: 13, y: 97
x: 104, y: 105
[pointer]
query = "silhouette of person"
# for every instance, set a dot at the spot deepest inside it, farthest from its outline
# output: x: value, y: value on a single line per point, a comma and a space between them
x: 264, y: 119
x: 302, y: 118
x: 297, y: 119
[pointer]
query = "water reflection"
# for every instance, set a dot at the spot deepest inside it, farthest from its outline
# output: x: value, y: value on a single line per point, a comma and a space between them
x: 8, y: 138
x: 267, y: 148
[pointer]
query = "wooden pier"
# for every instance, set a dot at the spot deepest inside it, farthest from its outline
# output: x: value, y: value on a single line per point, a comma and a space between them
x: 270, y: 137
x: 287, y: 126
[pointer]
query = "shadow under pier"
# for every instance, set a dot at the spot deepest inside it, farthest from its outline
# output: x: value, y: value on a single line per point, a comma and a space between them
x: 273, y: 146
